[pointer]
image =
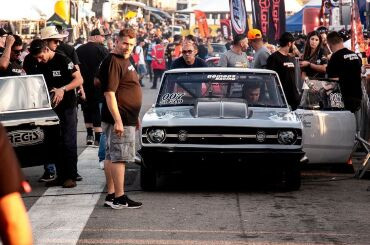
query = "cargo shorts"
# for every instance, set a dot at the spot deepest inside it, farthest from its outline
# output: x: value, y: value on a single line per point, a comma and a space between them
x: 119, y: 149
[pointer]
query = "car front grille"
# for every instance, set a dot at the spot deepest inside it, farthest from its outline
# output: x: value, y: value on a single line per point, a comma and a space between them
x: 220, y: 135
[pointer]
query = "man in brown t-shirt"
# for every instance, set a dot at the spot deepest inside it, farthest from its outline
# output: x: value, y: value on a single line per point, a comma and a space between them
x: 120, y: 116
x: 14, y: 224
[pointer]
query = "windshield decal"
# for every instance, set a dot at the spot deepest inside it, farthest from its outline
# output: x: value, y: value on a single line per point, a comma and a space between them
x: 172, y: 99
x: 222, y: 77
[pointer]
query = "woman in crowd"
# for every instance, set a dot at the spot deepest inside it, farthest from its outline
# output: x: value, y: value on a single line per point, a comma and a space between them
x: 314, y: 62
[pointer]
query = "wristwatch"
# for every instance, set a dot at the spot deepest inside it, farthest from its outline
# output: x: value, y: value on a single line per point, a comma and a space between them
x: 64, y: 89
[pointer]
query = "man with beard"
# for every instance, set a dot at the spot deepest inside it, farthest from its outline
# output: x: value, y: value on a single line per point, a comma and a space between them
x: 236, y: 56
x: 282, y: 62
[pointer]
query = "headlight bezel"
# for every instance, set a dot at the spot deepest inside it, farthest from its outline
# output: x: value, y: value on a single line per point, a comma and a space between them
x: 290, y: 133
x: 156, y: 132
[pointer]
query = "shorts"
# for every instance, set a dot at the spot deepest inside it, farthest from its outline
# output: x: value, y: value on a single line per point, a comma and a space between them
x: 119, y: 149
x: 142, y: 69
x: 91, y: 113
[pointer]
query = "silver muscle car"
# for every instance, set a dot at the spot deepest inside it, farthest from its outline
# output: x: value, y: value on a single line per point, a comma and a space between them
x: 210, y: 115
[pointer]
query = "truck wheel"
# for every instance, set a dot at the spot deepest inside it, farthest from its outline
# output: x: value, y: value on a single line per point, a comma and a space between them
x: 292, y: 177
x: 148, y: 179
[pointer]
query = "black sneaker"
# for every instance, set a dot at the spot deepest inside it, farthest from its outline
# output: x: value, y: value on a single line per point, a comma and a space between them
x: 47, y: 177
x: 78, y: 177
x: 89, y: 140
x: 109, y: 200
x: 124, y: 202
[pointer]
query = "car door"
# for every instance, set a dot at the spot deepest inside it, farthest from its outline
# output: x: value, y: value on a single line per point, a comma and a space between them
x: 31, y: 124
x: 328, y: 129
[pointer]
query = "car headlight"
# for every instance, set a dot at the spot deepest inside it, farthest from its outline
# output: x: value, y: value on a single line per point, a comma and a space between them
x: 287, y: 137
x: 156, y: 135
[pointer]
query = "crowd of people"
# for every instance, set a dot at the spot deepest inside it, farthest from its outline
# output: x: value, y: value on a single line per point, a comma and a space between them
x: 105, y: 74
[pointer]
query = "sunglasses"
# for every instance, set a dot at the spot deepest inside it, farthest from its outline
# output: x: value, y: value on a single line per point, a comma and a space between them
x: 17, y: 51
x: 187, y: 51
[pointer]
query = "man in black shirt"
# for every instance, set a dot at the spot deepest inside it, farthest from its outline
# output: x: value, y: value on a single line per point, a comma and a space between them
x: 91, y: 55
x: 61, y: 78
x: 345, y: 66
x: 283, y: 63
x: 10, y: 65
x: 188, y: 58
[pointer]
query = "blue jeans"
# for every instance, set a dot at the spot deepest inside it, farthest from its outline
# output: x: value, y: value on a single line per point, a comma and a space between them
x: 101, y: 153
x: 49, y: 168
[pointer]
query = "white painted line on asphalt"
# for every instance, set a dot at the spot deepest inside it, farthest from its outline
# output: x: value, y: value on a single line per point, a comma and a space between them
x: 68, y: 211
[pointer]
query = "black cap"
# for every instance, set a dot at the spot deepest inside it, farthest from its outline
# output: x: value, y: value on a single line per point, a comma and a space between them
x: 286, y: 38
x: 98, y: 32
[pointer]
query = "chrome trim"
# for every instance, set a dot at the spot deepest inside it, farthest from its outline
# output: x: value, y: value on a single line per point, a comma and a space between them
x: 248, y: 136
x: 44, y: 121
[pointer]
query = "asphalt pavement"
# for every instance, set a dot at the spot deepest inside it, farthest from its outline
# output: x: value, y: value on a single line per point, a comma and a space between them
x: 223, y: 206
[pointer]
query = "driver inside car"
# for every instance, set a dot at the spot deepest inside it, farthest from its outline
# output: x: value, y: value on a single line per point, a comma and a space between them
x: 252, y: 93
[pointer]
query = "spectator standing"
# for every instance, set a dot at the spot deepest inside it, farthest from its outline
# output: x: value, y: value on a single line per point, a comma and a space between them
x: 10, y: 63
x: 90, y: 56
x: 323, y: 31
x: 158, y: 62
x: 345, y: 66
x: 188, y: 58
x: 282, y: 61
x: 202, y: 49
x: 314, y: 61
x: 15, y: 227
x: 148, y: 58
x: 62, y: 78
x: 120, y: 116
x: 261, y: 52
x: 141, y: 66
x: 236, y: 56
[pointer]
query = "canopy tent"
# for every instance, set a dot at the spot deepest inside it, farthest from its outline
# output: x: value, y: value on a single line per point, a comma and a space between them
x: 34, y: 10
x: 294, y: 22
x: 222, y: 6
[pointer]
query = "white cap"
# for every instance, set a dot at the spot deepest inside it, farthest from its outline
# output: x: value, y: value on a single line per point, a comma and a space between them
x: 51, y: 32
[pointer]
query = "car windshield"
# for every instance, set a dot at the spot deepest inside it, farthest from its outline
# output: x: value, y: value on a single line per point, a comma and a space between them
x: 260, y: 90
x: 23, y: 93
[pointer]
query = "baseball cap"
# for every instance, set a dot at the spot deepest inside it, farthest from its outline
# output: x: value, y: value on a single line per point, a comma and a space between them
x: 285, y: 38
x: 254, y: 34
x: 51, y: 32
x: 98, y: 32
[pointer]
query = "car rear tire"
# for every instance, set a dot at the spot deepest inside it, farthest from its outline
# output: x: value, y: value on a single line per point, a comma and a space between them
x: 292, y: 177
x: 148, y: 179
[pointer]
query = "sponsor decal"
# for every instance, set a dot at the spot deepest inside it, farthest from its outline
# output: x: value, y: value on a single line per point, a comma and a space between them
x: 70, y: 66
x: 26, y: 137
x: 131, y: 68
x: 56, y: 74
x: 172, y: 99
x: 238, y: 16
x: 221, y: 77
x: 288, y: 64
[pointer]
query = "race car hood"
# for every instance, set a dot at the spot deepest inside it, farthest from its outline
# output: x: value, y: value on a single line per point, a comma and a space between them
x: 188, y: 116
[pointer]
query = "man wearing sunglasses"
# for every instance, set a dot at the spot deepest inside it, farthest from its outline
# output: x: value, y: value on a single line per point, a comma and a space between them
x: 188, y: 58
x: 10, y: 64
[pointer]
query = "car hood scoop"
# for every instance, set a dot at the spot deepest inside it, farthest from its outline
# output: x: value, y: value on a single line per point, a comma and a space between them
x: 216, y: 108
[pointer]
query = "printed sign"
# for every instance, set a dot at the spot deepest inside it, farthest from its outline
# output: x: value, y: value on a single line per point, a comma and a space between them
x: 26, y: 137
x: 238, y: 15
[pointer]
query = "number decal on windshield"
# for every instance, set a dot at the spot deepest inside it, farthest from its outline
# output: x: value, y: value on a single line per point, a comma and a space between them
x: 172, y: 99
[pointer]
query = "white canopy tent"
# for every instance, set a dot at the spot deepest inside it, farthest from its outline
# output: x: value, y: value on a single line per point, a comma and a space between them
x: 222, y: 6
x: 32, y: 10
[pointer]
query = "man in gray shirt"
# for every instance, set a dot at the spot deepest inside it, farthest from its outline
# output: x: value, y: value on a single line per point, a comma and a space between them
x: 236, y: 56
x: 261, y: 52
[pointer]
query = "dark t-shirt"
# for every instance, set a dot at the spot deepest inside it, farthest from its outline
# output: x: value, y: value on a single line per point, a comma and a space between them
x: 58, y: 73
x: 14, y: 69
x: 68, y: 51
x: 320, y: 59
x: 90, y: 55
x: 202, y: 51
x: 346, y: 65
x: 10, y: 174
x: 117, y: 74
x: 180, y: 63
x: 30, y: 65
x: 285, y: 68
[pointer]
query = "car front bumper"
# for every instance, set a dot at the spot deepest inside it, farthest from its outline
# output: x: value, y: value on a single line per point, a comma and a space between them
x: 180, y: 158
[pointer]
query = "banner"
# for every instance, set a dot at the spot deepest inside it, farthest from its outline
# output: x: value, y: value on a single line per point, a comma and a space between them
x: 357, y: 37
x: 225, y: 28
x: 201, y: 19
x: 238, y: 16
x: 269, y: 17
